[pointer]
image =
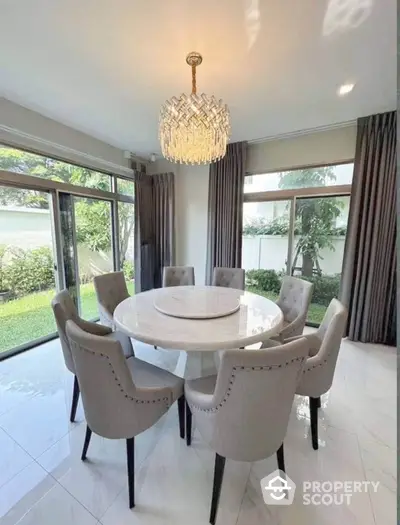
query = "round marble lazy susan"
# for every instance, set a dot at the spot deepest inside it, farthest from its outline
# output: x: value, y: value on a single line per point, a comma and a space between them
x: 197, y: 302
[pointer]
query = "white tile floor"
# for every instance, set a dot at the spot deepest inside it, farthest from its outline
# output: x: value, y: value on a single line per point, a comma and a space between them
x: 43, y: 481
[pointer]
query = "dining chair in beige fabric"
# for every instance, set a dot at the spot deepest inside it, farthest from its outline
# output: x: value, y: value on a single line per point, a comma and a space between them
x: 178, y: 276
x: 324, y: 345
x: 111, y: 290
x: 121, y: 397
x: 243, y: 412
x: 229, y: 278
x: 64, y: 309
x: 294, y: 301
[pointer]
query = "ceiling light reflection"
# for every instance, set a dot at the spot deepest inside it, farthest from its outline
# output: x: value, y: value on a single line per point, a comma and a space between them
x: 342, y: 15
x: 252, y: 21
x: 344, y: 89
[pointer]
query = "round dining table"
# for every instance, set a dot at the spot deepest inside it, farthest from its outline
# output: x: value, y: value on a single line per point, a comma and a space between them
x: 200, y: 320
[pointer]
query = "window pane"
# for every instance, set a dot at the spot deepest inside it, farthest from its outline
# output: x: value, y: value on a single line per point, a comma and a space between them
x: 46, y: 168
x: 320, y: 234
x: 27, y: 283
x: 126, y: 220
x: 94, y: 244
x: 126, y: 187
x: 265, y: 245
x: 304, y: 178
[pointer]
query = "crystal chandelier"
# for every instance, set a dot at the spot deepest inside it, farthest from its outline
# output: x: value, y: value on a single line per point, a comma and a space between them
x: 194, y: 129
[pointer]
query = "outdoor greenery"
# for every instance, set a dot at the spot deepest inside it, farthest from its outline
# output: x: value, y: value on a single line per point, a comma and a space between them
x: 30, y: 271
x: 30, y: 317
x: 27, y: 270
x: 316, y: 312
x: 325, y: 286
x: 92, y: 216
x: 315, y: 218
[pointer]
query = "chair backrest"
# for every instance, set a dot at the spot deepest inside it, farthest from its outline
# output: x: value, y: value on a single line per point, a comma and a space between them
x: 178, y: 276
x: 229, y: 277
x: 318, y: 373
x: 114, y: 407
x: 294, y: 298
x: 64, y: 309
x: 253, y: 399
x: 111, y: 290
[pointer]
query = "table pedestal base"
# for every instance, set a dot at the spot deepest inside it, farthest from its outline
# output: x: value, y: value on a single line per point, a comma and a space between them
x: 192, y: 365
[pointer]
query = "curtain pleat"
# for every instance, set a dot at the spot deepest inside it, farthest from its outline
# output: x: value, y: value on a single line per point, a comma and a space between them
x: 225, y: 210
x: 154, y: 228
x: 369, y: 266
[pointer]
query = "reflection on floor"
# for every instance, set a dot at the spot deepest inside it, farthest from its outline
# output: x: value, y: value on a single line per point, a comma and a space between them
x: 43, y: 481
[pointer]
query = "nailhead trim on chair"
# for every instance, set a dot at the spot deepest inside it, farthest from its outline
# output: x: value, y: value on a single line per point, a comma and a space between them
x: 233, y: 375
x: 137, y: 401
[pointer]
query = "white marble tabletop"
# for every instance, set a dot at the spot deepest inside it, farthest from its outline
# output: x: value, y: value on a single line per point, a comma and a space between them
x: 256, y: 319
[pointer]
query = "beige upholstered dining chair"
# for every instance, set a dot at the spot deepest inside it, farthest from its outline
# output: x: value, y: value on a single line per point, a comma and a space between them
x: 243, y: 412
x: 324, y: 346
x: 294, y: 301
x: 178, y: 276
x: 64, y: 309
x: 110, y: 291
x: 229, y: 278
x: 121, y: 397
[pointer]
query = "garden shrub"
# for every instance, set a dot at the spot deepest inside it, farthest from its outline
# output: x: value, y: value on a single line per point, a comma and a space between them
x: 325, y: 286
x: 29, y: 271
x: 128, y: 270
x: 266, y: 280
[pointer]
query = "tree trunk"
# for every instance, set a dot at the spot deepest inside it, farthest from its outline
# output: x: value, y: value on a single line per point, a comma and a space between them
x: 307, y: 266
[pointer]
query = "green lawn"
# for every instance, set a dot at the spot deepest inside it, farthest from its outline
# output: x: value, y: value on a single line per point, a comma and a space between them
x: 316, y: 312
x: 30, y: 317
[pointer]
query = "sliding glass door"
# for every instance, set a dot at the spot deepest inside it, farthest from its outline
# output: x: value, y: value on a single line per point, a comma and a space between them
x: 27, y: 269
x: 318, y: 247
x: 295, y: 223
x: 86, y: 226
x: 265, y: 251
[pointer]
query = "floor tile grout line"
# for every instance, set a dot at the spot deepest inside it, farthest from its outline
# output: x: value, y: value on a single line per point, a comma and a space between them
x: 365, y: 477
x: 244, y: 494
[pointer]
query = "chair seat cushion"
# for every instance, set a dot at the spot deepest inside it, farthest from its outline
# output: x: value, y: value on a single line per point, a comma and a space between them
x: 146, y: 375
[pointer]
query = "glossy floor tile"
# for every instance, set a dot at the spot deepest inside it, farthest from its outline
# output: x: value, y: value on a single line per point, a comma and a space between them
x: 43, y: 481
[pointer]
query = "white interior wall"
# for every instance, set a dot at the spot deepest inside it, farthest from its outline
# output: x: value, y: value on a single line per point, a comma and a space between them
x: 27, y: 129
x: 191, y: 182
x: 191, y: 194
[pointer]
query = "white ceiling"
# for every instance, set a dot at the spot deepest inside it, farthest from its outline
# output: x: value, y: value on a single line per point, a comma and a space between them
x: 104, y: 67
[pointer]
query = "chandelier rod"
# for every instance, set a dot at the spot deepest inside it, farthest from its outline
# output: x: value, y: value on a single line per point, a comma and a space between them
x: 194, y: 59
x: 194, y: 87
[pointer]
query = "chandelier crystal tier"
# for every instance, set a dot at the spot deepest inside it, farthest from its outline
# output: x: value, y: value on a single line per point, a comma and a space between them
x: 194, y: 129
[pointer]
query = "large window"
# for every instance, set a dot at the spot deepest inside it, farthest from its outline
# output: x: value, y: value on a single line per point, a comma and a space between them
x: 295, y: 223
x: 19, y: 161
x: 27, y: 282
x: 60, y: 226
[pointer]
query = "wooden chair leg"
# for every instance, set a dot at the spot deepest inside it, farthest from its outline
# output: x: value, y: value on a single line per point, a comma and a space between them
x: 281, y: 458
x: 219, y: 467
x: 188, y: 425
x: 86, y: 443
x: 75, y: 399
x: 181, y: 412
x: 130, y: 454
x: 314, y: 421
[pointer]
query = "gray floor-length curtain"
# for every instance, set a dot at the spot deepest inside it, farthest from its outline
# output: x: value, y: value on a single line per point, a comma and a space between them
x: 144, y: 233
x: 154, y: 228
x: 225, y: 210
x: 164, y: 223
x: 369, y: 266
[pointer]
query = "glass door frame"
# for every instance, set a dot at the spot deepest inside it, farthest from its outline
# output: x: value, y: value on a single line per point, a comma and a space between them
x: 54, y: 189
x: 292, y: 196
